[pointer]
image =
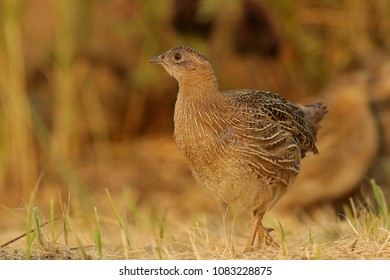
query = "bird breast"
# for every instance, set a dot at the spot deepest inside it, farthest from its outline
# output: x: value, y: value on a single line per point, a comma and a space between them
x: 243, y: 162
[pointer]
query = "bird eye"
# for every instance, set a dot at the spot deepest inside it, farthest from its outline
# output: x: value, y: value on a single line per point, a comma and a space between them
x: 177, y: 56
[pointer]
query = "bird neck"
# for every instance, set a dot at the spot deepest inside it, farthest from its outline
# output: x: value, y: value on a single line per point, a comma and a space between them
x: 202, y: 84
x: 197, y: 100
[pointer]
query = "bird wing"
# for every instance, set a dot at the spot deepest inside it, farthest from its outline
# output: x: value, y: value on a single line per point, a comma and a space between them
x: 265, y: 104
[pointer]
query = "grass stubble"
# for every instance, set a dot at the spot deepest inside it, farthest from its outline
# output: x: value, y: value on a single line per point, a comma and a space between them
x: 116, y: 229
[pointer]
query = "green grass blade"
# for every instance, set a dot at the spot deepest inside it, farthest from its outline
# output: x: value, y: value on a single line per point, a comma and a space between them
x: 52, y: 228
x: 115, y: 210
x: 38, y: 226
x: 380, y: 199
x: 98, y: 235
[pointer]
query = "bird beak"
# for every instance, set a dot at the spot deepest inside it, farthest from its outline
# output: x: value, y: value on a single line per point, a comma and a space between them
x: 157, y: 59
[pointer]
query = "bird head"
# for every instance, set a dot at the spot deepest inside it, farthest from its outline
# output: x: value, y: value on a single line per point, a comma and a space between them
x: 184, y: 63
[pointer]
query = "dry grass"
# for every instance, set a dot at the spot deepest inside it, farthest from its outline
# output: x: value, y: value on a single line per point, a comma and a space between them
x: 122, y: 224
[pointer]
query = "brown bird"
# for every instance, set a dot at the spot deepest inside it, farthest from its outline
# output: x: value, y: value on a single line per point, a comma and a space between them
x: 244, y: 145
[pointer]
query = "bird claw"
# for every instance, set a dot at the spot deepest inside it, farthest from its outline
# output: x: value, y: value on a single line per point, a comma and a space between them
x: 270, y: 242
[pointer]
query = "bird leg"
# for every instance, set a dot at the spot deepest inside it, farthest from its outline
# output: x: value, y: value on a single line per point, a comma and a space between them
x: 263, y: 236
x: 256, y: 225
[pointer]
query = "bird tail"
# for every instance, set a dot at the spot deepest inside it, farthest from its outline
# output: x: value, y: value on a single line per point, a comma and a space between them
x: 313, y: 114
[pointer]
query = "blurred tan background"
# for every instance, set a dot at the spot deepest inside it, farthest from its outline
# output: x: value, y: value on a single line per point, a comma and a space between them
x: 81, y: 108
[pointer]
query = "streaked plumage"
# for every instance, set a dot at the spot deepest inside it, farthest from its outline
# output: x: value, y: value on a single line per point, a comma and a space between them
x: 245, y: 146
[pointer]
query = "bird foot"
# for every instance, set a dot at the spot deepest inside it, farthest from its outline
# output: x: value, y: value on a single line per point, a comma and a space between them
x: 251, y: 249
x: 267, y: 241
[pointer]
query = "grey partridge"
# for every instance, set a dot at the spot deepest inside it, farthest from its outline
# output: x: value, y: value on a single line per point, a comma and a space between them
x: 243, y: 145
